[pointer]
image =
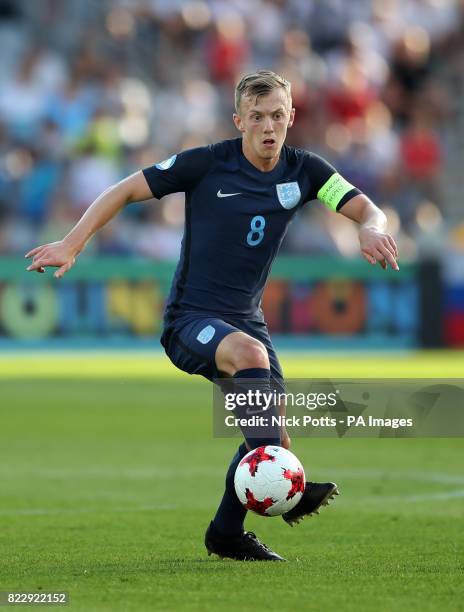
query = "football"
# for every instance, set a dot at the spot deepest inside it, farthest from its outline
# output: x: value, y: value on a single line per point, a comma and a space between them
x: 269, y: 480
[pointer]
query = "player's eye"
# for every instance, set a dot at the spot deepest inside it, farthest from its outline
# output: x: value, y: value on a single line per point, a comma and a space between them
x: 256, y: 117
x: 278, y: 116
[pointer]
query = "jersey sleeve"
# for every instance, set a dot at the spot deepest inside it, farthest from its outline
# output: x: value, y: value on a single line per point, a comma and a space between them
x: 180, y: 172
x: 327, y: 185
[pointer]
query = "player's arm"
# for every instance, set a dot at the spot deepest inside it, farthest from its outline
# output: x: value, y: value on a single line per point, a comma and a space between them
x: 339, y: 195
x: 375, y: 243
x: 178, y: 173
x: 62, y: 254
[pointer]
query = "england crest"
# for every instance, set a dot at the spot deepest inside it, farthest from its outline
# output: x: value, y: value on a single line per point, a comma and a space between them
x: 289, y: 194
x: 206, y: 334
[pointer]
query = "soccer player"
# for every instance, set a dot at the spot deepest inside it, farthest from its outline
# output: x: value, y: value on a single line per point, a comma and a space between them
x: 240, y: 196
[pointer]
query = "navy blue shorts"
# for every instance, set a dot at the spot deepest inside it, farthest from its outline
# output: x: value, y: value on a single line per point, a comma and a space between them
x: 191, y: 340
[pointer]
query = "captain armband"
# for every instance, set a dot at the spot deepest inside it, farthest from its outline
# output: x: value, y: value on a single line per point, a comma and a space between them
x: 334, y: 190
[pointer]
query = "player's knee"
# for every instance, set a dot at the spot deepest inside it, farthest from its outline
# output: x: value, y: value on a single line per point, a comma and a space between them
x: 250, y: 354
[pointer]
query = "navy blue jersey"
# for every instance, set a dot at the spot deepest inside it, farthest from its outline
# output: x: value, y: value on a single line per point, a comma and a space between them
x: 236, y: 217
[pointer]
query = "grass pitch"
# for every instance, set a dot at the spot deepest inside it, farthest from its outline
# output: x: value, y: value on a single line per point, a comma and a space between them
x: 110, y: 475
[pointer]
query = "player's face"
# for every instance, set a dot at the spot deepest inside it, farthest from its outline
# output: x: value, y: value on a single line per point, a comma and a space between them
x: 264, y: 123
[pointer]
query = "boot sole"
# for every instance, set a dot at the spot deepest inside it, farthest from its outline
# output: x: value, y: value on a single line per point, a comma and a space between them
x: 324, y: 502
x: 210, y: 552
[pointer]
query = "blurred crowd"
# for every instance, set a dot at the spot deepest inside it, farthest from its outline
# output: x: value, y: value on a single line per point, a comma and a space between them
x: 91, y: 91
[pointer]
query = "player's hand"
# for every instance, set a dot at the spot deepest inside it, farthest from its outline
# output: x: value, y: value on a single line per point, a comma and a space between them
x: 55, y: 254
x: 377, y: 246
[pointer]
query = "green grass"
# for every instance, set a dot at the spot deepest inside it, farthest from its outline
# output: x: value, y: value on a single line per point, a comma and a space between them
x: 109, y: 475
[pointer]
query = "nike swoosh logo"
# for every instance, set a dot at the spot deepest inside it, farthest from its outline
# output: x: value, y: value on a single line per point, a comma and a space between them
x: 226, y: 195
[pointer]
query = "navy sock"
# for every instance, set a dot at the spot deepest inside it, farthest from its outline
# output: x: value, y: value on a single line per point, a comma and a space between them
x: 257, y: 436
x: 231, y: 513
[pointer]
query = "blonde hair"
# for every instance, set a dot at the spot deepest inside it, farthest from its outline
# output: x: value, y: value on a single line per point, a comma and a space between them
x: 258, y: 84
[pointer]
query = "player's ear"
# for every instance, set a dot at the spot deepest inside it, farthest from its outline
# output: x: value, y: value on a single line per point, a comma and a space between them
x: 238, y: 122
x: 292, y: 118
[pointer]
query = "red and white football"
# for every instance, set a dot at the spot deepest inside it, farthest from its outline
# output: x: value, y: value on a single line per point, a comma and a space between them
x: 269, y: 480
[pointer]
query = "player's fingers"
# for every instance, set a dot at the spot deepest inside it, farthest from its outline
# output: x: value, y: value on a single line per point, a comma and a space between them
x: 40, y: 262
x: 389, y: 244
x: 369, y: 257
x: 393, y: 245
x: 33, y: 252
x: 35, y: 265
x: 382, y: 255
x: 377, y: 257
x: 59, y: 273
x: 388, y: 255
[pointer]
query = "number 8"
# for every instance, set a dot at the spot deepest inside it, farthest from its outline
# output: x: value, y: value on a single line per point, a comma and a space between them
x: 257, y: 225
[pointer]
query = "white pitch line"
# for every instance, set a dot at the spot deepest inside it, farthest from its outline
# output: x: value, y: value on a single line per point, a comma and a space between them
x: 377, y: 500
x: 436, y: 477
x: 382, y: 500
x: 48, y: 511
x: 148, y: 473
x: 459, y: 494
x: 98, y: 472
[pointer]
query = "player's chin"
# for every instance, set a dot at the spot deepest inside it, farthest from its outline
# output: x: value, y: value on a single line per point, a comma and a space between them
x: 269, y: 152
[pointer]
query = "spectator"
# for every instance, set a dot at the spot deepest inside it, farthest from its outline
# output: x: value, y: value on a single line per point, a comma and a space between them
x: 370, y: 82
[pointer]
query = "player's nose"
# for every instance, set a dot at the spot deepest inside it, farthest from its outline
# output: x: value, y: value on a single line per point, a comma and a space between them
x: 268, y: 125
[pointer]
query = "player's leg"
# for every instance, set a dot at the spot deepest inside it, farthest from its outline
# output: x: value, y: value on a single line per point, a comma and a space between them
x: 192, y: 346
x: 259, y: 330
x: 316, y: 494
x: 244, y: 359
x: 214, y: 348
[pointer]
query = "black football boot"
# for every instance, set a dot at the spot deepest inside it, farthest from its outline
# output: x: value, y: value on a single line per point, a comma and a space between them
x: 244, y: 547
x: 315, y: 495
